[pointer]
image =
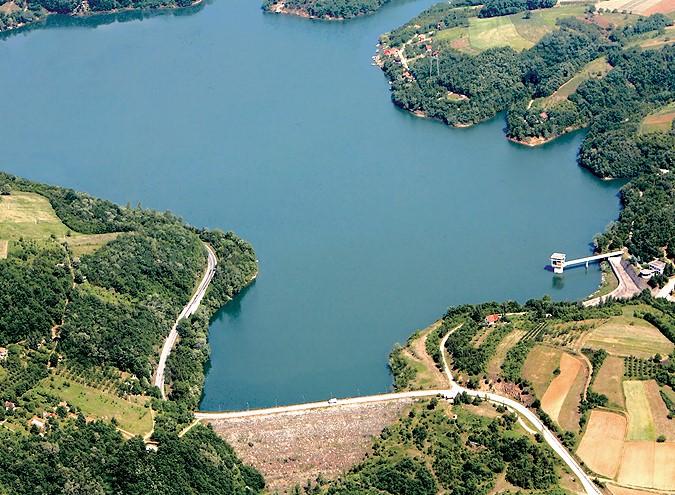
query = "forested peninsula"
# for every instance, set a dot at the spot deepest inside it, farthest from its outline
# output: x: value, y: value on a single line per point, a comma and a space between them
x: 323, y: 9
x: 555, y: 70
x: 16, y: 14
x: 88, y: 292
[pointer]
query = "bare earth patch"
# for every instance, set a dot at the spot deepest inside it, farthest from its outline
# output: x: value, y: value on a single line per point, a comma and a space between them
x: 562, y: 386
x: 4, y: 248
x: 601, y: 447
x: 608, y: 380
x: 291, y: 448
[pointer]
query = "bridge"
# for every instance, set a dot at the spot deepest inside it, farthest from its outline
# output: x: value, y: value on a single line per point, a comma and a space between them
x: 559, y: 261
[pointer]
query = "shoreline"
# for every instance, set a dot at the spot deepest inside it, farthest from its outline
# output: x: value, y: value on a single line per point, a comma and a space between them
x: 94, y: 13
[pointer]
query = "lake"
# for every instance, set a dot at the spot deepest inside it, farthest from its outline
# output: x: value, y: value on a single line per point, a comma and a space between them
x: 368, y: 222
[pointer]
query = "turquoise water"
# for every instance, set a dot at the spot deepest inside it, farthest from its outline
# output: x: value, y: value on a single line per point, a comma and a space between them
x: 368, y: 222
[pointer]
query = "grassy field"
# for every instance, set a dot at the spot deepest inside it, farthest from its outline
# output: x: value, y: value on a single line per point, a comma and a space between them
x: 494, y: 366
x: 495, y: 31
x: 629, y: 336
x: 593, y: 70
x: 539, y: 366
x: 131, y: 415
x: 640, y: 420
x: 660, y: 121
x: 84, y: 244
x: 512, y: 30
x: 608, y: 381
x: 30, y: 216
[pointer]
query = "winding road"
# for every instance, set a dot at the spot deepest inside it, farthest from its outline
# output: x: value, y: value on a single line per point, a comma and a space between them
x: 532, y: 425
x: 189, y: 309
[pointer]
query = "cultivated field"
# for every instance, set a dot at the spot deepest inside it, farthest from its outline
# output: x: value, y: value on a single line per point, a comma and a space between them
x: 640, y: 420
x: 629, y: 336
x: 601, y: 447
x: 562, y: 397
x: 663, y: 425
x: 642, y: 7
x: 660, y: 121
x: 648, y: 464
x: 131, y: 415
x: 539, y: 366
x: 608, y: 381
x: 291, y: 448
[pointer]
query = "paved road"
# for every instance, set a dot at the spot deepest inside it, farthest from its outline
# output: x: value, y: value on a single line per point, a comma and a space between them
x: 189, y: 309
x: 626, y: 289
x: 523, y: 414
x: 448, y: 393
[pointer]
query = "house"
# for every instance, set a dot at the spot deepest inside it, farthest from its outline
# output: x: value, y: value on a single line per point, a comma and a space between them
x: 38, y: 423
x: 658, y: 266
x: 9, y: 405
x: 646, y: 273
x: 3, y: 353
x: 491, y: 320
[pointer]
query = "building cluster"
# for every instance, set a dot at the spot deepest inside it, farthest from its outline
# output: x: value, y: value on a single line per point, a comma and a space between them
x: 654, y: 267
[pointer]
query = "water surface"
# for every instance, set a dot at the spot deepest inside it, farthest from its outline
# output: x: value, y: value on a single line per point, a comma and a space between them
x: 368, y: 222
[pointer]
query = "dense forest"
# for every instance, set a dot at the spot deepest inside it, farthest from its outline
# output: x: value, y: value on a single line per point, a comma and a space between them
x: 427, y: 451
x: 103, y: 315
x: 76, y: 457
x: 326, y: 9
x: 24, y: 12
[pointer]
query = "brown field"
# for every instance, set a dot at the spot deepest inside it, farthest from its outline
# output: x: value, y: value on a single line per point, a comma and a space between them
x: 601, y: 447
x: 494, y: 367
x: 292, y: 448
x: 561, y: 399
x: 539, y: 366
x: 642, y: 7
x: 661, y: 120
x: 664, y: 7
x: 648, y: 464
x: 629, y: 336
x: 4, y: 248
x: 664, y: 426
x: 620, y: 490
x: 480, y: 337
x: 569, y: 413
x: 608, y: 381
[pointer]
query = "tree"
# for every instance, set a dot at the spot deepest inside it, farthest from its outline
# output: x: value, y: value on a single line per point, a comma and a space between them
x: 5, y: 189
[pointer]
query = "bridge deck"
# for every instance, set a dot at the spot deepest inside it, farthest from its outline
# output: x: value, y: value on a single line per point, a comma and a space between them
x: 597, y: 257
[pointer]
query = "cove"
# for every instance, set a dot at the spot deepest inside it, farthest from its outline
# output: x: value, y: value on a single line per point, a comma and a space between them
x: 368, y: 222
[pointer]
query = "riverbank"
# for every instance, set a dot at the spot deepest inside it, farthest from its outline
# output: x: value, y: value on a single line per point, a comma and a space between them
x: 324, y: 11
x: 17, y: 18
